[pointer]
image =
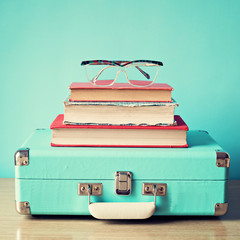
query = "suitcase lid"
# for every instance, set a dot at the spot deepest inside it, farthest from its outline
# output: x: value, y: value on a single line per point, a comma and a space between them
x: 203, y: 160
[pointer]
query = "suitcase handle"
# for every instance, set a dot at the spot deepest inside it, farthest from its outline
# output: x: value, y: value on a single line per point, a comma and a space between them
x: 122, y: 210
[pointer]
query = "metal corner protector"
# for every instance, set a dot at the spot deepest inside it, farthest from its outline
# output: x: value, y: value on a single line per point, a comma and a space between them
x: 222, y: 159
x: 220, y: 209
x: 21, y: 157
x: 23, y: 208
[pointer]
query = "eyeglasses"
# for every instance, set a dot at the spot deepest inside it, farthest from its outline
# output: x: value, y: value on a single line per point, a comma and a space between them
x: 139, y: 73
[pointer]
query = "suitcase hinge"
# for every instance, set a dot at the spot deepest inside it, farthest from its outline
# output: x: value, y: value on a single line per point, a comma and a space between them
x: 22, y: 157
x: 96, y: 189
x: 223, y: 159
x: 123, y: 183
x: 148, y: 189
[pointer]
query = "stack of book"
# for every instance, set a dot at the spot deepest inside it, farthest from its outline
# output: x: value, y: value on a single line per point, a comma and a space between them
x: 119, y: 116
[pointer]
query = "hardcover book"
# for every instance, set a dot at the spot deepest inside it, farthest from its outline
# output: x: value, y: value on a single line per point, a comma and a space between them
x: 157, y: 92
x: 119, y: 113
x: 118, y: 136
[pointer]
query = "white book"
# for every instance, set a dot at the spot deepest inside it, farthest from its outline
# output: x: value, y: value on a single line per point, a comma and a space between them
x: 119, y: 113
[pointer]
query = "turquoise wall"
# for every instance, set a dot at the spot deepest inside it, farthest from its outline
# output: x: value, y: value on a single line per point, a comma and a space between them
x: 43, y: 42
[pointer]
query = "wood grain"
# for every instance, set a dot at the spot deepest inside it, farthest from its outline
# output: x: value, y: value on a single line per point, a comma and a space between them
x: 15, y: 226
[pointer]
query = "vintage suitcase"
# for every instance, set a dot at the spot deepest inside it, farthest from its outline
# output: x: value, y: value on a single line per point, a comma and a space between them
x: 121, y: 183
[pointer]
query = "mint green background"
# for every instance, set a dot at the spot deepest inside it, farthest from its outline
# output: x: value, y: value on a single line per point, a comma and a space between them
x: 43, y: 42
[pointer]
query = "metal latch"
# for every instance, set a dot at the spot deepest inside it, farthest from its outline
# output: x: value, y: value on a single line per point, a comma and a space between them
x: 148, y: 189
x: 123, y: 183
x: 95, y: 189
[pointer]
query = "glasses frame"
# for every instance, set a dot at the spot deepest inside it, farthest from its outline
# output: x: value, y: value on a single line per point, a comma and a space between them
x: 122, y: 64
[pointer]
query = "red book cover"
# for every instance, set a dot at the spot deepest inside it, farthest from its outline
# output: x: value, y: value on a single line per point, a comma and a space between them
x: 85, y: 91
x: 58, y: 123
x: 119, y: 86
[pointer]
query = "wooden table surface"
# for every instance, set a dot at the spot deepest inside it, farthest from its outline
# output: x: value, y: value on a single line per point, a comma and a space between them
x: 15, y: 226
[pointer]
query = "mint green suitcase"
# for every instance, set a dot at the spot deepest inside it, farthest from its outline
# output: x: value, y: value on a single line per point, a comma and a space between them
x: 121, y: 183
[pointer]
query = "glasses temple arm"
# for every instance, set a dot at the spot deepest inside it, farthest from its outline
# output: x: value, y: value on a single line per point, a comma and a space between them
x: 144, y: 73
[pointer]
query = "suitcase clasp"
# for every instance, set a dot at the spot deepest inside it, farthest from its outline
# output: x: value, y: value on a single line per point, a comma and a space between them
x: 123, y: 182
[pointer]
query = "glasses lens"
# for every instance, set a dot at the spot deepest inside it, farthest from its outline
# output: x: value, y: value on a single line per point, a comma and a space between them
x: 101, y: 75
x: 142, y: 74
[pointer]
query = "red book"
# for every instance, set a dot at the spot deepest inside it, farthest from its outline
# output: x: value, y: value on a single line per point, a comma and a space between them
x: 118, y: 136
x: 85, y: 91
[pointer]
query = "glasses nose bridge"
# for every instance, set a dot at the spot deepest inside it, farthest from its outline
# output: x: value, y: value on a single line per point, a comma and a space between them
x: 122, y: 69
